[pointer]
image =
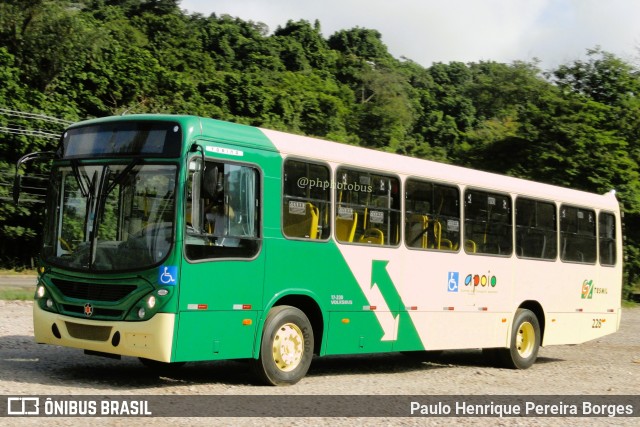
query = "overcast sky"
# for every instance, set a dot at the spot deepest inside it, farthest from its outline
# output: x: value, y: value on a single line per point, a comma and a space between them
x: 427, y: 31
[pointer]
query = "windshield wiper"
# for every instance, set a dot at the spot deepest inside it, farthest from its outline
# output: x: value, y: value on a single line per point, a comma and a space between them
x: 103, y: 190
x: 121, y: 176
x: 96, y: 203
x: 84, y: 187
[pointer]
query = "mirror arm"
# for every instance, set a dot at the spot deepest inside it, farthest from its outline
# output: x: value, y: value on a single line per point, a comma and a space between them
x: 17, y: 179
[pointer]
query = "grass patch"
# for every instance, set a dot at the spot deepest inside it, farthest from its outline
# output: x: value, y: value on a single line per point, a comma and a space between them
x: 21, y: 272
x: 16, y: 294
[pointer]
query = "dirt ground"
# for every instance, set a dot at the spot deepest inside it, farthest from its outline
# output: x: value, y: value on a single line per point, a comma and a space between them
x: 605, y: 367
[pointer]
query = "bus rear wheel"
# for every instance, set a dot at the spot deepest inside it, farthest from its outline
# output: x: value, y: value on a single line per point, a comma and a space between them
x: 525, y: 341
x: 286, y: 348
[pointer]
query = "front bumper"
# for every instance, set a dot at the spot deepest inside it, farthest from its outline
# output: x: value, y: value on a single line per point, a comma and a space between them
x: 151, y: 339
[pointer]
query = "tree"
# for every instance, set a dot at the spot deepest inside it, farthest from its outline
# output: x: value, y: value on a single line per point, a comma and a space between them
x: 362, y: 43
x: 576, y: 125
x: 384, y: 112
x: 603, y: 78
x: 613, y: 84
x: 303, y: 48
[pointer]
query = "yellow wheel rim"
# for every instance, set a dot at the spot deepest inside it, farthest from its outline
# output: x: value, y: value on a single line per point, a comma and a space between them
x: 288, y: 347
x: 525, y: 340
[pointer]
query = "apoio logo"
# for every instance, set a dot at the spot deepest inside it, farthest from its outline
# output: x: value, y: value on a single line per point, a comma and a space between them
x: 481, y: 280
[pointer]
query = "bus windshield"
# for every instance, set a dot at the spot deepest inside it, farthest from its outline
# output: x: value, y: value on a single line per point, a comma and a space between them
x: 110, y: 217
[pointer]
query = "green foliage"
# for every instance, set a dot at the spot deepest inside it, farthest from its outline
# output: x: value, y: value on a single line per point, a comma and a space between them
x: 302, y: 47
x: 577, y: 125
x: 361, y: 43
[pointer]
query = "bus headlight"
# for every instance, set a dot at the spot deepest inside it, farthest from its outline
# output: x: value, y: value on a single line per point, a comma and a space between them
x: 44, y: 299
x: 148, y: 306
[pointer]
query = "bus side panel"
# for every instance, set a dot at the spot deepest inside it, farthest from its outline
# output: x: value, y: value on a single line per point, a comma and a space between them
x: 574, y: 298
x: 220, y: 301
x: 583, y: 305
x: 576, y: 328
x: 379, y: 274
x: 213, y: 335
x: 216, y: 297
x: 385, y: 299
x: 457, y: 300
x: 447, y: 330
x: 357, y: 332
x: 360, y: 314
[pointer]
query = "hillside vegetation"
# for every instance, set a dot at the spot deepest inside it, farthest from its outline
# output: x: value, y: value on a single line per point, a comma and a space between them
x: 577, y: 125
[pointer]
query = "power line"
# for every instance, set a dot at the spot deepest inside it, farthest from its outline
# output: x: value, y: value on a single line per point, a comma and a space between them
x: 34, y: 116
x: 34, y: 180
x: 29, y: 132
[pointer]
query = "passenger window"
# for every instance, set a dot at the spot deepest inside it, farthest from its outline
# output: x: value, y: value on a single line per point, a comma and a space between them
x: 306, y: 200
x: 536, y: 230
x: 577, y: 235
x: 222, y: 211
x: 487, y: 223
x: 607, y: 234
x: 432, y: 217
x: 367, y: 208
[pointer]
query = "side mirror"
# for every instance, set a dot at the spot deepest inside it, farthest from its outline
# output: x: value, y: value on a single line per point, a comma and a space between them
x: 17, y: 180
x: 17, y: 186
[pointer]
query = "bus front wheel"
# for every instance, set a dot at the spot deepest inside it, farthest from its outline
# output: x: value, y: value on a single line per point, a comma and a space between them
x: 525, y: 341
x: 286, y: 348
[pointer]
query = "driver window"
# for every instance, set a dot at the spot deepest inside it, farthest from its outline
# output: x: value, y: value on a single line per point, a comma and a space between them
x: 222, y: 211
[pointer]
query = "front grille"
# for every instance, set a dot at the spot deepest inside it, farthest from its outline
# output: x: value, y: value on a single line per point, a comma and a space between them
x: 93, y: 291
x: 88, y: 332
x: 97, y: 311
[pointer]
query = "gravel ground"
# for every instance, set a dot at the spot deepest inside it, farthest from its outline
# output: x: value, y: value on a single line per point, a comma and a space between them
x: 608, y: 366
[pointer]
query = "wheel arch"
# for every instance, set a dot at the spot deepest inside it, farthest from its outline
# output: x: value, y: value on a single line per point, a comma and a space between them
x: 536, y: 308
x: 309, y: 306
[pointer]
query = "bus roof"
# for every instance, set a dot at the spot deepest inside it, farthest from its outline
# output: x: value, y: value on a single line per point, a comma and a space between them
x: 348, y: 155
x: 343, y: 154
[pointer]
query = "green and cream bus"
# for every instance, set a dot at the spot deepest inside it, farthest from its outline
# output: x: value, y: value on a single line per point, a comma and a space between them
x: 179, y: 238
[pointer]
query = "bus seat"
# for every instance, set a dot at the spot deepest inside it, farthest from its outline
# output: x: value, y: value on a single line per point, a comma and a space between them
x: 303, y: 225
x: 373, y: 236
x: 442, y: 244
x: 346, y: 228
x: 470, y: 246
x: 416, y: 230
x: 533, y: 244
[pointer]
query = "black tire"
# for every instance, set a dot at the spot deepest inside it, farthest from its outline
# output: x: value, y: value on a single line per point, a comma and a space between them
x: 286, y: 348
x: 525, y: 341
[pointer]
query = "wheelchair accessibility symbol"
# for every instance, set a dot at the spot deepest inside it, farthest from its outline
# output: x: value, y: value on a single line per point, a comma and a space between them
x: 168, y: 275
x: 453, y: 281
